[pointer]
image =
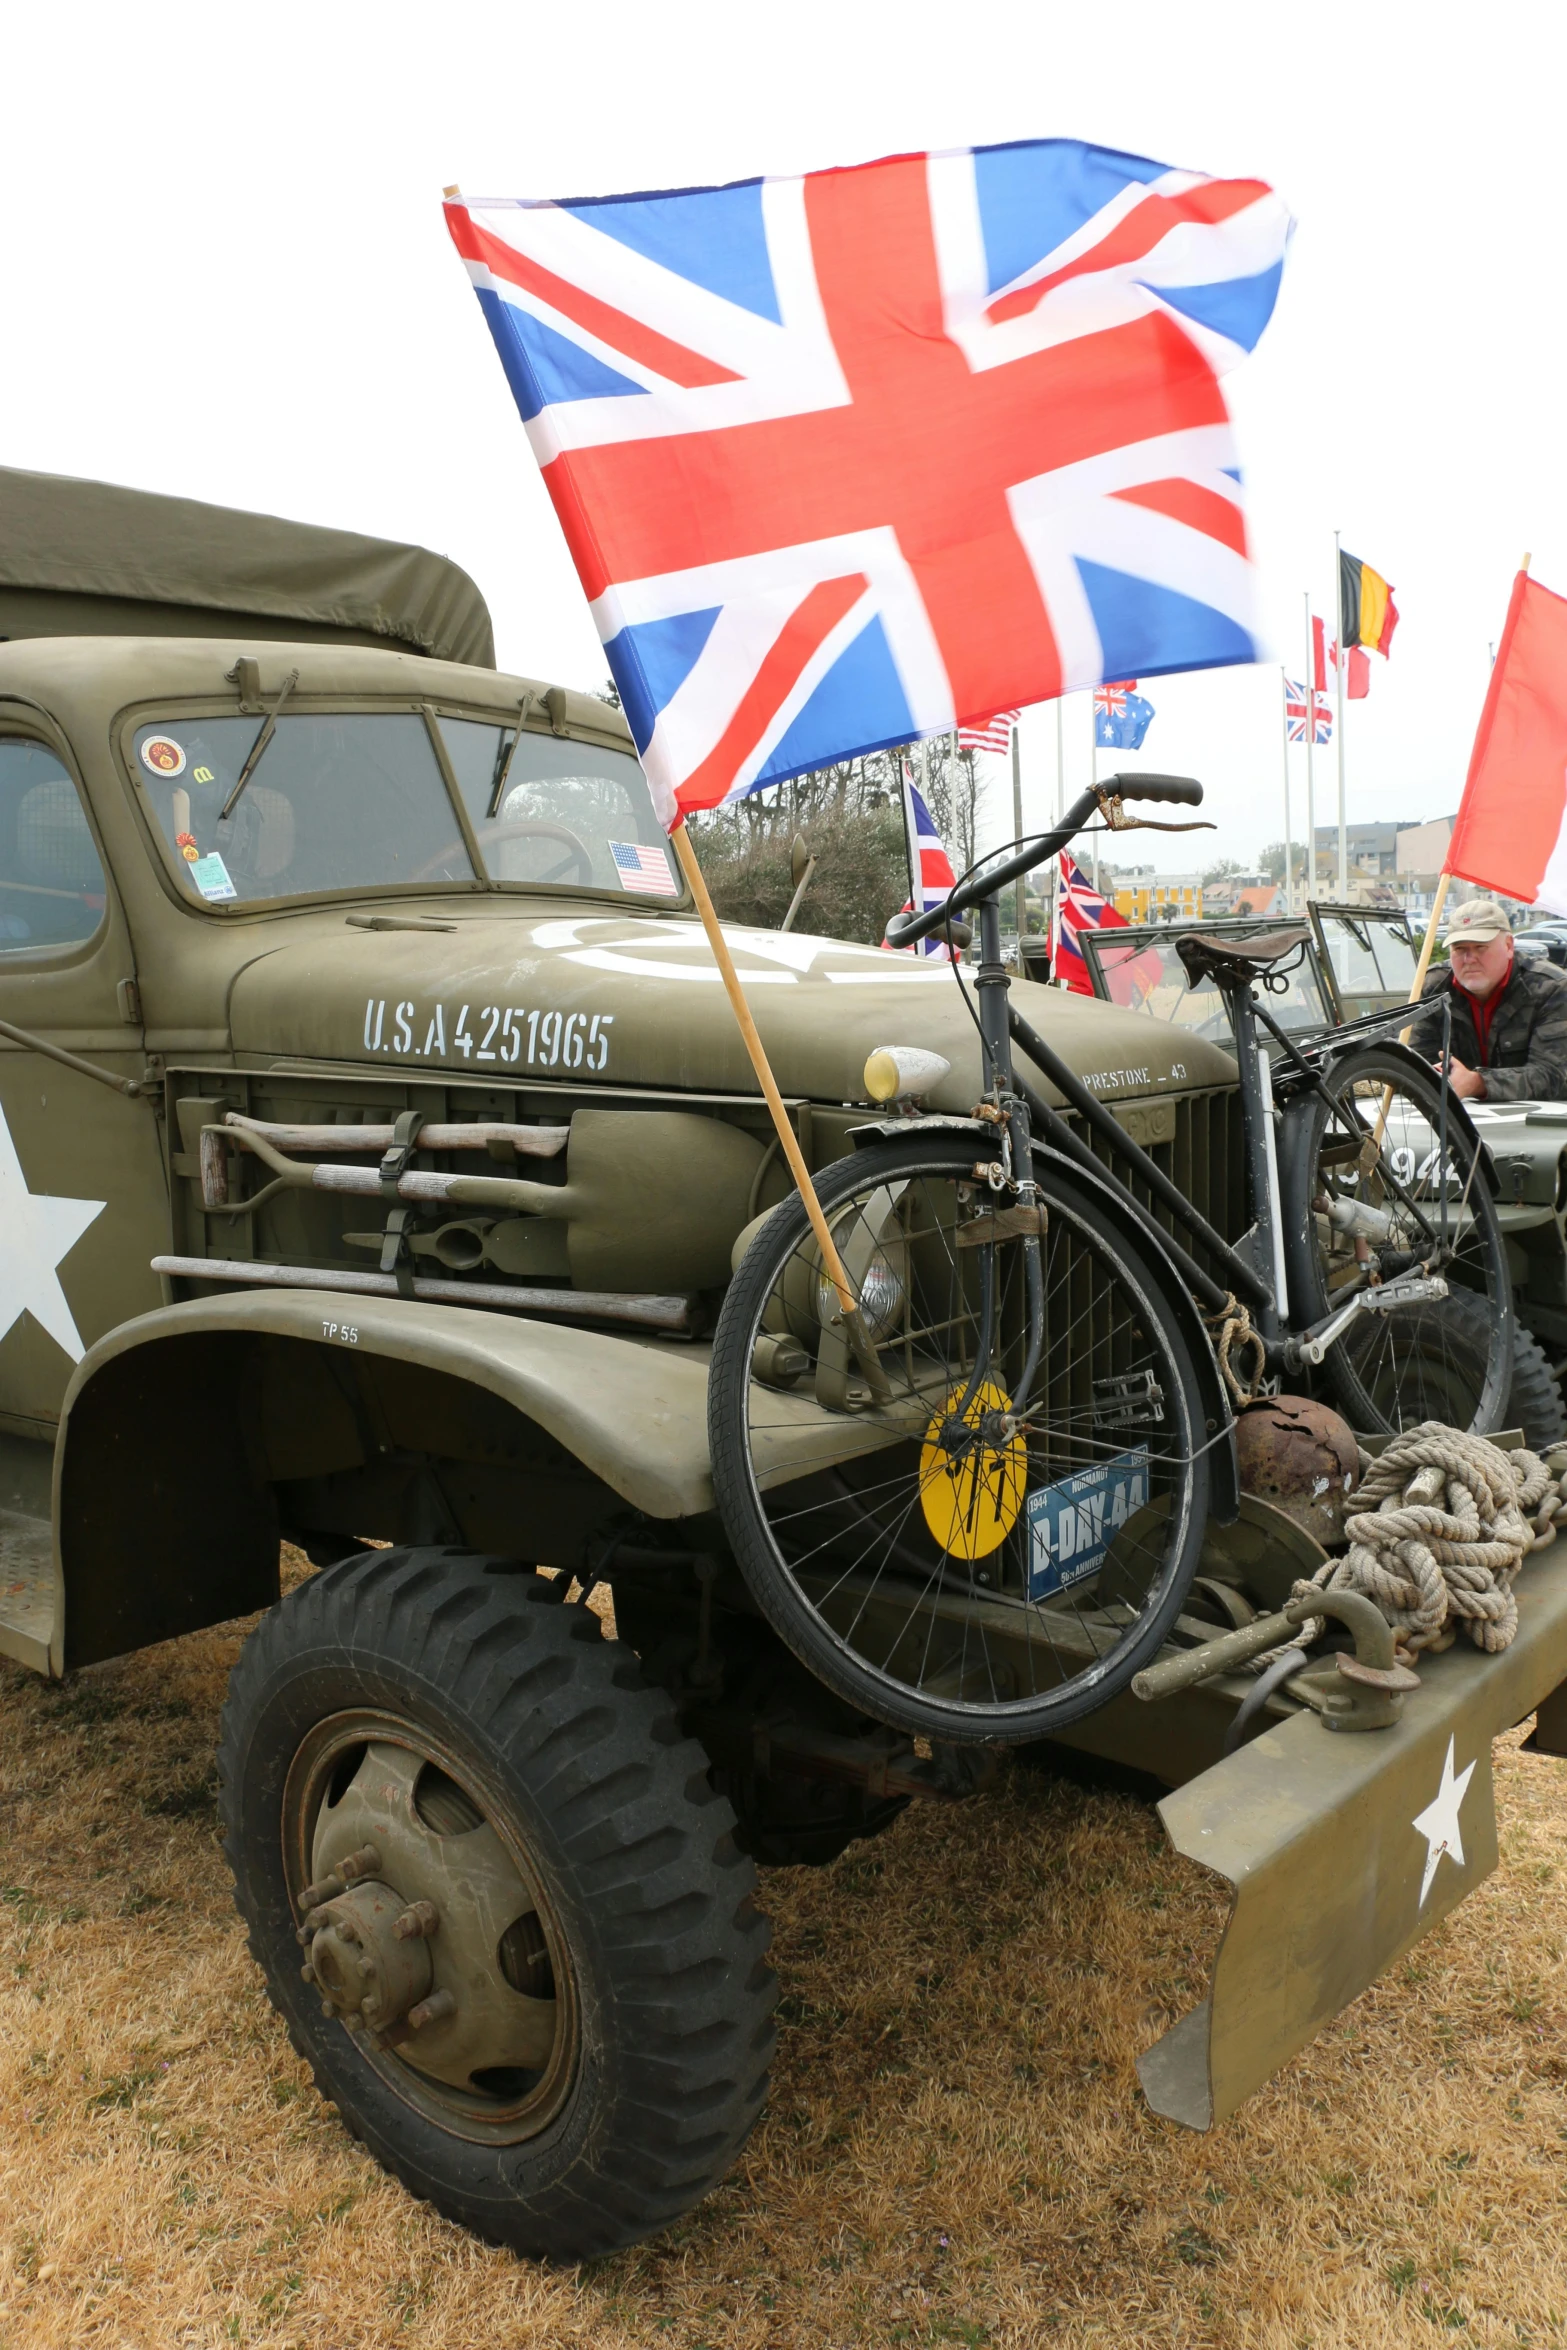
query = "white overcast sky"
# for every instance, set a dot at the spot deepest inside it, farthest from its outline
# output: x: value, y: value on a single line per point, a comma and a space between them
x: 226, y: 275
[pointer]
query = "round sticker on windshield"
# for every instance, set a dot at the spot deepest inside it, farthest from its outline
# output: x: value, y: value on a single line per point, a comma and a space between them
x: 163, y: 755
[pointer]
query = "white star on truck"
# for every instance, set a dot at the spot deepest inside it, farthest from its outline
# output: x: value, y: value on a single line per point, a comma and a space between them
x: 37, y: 1232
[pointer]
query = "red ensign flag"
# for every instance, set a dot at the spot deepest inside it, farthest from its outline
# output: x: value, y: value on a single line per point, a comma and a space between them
x: 1511, y: 833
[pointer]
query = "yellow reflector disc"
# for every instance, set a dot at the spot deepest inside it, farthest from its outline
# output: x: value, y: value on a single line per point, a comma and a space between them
x: 971, y: 1503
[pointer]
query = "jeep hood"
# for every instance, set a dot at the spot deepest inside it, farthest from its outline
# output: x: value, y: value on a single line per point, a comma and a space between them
x: 635, y: 1002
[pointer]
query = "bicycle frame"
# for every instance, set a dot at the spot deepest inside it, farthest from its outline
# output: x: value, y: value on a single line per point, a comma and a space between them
x: 1025, y: 1115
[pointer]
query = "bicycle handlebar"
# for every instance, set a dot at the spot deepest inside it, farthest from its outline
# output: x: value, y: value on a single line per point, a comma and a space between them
x: 907, y: 929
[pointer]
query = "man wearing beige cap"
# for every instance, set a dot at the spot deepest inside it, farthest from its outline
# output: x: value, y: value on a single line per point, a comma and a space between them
x: 1509, y: 1017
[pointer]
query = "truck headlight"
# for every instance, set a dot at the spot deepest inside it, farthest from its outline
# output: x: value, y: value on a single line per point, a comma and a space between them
x: 881, y: 1298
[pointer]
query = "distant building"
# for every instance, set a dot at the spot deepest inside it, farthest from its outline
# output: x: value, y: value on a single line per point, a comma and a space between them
x: 1241, y: 893
x: 1143, y: 895
x: 1422, y: 848
x: 1372, y: 850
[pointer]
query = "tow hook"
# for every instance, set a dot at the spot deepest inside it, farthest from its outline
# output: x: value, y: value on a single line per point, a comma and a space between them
x: 1361, y: 1692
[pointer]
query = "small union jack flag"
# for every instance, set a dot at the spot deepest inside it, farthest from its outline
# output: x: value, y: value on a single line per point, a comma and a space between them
x: 643, y: 869
x: 1295, y: 713
x: 1079, y: 906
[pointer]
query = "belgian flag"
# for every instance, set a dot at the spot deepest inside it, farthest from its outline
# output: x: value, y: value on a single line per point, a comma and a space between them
x: 1367, y: 614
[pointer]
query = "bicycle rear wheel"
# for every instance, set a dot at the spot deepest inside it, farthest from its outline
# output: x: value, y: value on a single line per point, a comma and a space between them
x: 1366, y: 1192
x: 950, y: 1566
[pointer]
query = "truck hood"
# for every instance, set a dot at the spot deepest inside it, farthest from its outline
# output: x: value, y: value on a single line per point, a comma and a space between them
x: 627, y: 1002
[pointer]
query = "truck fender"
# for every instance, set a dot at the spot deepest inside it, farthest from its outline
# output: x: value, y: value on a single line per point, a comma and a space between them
x: 179, y: 1426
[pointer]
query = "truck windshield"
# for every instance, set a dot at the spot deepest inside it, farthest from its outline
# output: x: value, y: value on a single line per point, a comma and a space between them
x: 563, y: 811
x: 356, y: 800
x: 345, y: 802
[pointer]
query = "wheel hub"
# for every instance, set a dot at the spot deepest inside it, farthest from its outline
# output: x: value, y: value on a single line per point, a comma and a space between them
x: 370, y: 1964
x: 419, y: 1931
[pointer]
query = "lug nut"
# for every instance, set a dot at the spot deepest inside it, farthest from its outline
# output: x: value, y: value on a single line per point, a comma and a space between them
x: 307, y: 1972
x: 328, y: 1890
x: 420, y: 1917
x: 433, y: 2010
x: 366, y: 1862
x: 327, y: 2008
x: 366, y: 1968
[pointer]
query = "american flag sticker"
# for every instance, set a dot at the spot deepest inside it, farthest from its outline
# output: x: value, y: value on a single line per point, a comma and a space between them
x: 644, y: 869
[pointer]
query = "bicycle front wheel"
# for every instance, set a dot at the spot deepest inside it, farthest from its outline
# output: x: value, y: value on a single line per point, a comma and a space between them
x: 1368, y: 1194
x: 954, y: 1558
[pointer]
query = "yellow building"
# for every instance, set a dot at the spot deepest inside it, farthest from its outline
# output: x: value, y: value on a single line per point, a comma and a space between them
x: 1145, y: 896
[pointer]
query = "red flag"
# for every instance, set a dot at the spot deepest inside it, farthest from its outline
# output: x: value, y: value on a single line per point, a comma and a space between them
x: 1511, y: 833
x: 1319, y: 655
x: 1358, y: 675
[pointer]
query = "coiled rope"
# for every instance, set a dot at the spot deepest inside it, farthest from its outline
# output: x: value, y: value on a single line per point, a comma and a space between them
x: 1445, y: 1522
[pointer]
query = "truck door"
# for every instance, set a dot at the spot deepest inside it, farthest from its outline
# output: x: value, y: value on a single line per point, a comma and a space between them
x: 83, y: 1196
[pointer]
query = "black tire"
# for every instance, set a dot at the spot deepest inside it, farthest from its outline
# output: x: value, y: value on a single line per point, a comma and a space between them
x: 977, y: 1643
x: 642, y: 1933
x: 1535, y: 1402
x: 1449, y: 1359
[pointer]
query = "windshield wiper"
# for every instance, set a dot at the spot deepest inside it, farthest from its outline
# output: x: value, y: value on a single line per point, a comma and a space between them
x: 258, y: 749
x: 504, y: 757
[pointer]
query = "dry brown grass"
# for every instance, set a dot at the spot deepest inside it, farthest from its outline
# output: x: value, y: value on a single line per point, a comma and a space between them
x: 956, y: 2151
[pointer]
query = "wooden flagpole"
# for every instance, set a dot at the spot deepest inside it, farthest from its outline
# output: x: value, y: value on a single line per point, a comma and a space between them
x: 864, y: 1351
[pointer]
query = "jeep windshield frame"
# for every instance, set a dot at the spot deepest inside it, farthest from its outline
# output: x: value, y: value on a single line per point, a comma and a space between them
x: 370, y: 798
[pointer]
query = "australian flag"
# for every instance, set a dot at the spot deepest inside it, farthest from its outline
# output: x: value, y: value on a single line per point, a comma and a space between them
x: 862, y: 456
x: 1121, y: 717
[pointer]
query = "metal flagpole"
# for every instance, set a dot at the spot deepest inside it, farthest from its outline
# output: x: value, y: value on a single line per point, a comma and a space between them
x: 1289, y: 861
x: 1093, y: 773
x: 1343, y: 664
x: 1017, y: 826
x: 1061, y: 765
x: 1311, y: 779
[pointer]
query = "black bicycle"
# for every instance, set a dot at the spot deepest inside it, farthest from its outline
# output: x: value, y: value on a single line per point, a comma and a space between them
x: 975, y: 1508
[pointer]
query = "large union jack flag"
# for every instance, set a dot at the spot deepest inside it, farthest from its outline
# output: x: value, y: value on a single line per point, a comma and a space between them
x: 860, y: 456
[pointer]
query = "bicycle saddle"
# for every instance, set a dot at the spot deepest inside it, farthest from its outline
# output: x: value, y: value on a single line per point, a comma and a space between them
x: 1237, y: 960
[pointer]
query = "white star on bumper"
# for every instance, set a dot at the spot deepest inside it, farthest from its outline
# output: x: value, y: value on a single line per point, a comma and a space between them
x: 1438, y: 1823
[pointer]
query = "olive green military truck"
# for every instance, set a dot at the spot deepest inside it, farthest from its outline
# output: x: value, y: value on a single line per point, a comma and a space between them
x: 376, y: 1145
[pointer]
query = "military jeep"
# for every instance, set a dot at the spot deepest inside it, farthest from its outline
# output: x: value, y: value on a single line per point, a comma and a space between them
x: 375, y: 1143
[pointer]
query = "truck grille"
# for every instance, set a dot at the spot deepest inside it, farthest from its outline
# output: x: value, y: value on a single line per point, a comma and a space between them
x: 1194, y: 1139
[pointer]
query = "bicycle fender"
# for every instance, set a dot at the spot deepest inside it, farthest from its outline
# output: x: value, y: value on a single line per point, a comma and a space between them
x: 1178, y: 1302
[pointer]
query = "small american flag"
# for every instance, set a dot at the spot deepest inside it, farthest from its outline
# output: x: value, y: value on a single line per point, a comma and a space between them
x: 991, y: 734
x: 644, y: 869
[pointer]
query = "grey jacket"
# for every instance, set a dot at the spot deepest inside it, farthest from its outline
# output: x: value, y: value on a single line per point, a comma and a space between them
x: 1524, y: 1058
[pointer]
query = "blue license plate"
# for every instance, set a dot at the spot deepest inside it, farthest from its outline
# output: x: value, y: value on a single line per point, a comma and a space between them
x: 1072, y: 1524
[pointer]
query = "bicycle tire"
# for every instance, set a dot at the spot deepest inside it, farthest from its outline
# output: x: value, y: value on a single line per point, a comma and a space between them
x: 945, y: 1632
x: 1437, y: 1361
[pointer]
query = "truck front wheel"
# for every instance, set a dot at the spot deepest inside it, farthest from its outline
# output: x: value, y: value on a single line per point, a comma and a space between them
x: 496, y: 1900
